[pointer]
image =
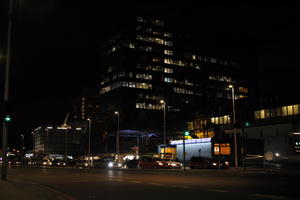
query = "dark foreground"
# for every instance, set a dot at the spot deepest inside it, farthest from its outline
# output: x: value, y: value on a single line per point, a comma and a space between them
x: 63, y: 183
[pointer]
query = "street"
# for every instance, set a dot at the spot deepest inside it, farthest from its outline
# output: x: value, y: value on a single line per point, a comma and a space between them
x: 68, y: 183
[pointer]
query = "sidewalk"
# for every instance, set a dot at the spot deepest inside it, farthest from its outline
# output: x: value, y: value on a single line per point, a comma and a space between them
x: 17, y: 189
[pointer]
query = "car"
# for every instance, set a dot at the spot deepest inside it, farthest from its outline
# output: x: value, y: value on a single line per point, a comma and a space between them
x: 173, y: 164
x: 132, y: 163
x: 107, y: 162
x: 82, y: 163
x: 198, y: 162
x: 147, y: 162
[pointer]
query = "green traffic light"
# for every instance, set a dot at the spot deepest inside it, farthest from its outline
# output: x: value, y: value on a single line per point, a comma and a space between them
x: 7, y: 118
x: 186, y: 133
x: 247, y: 124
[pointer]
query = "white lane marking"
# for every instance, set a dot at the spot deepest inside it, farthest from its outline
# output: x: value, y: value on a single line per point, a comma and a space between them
x: 216, y: 190
x: 136, y: 181
x: 154, y: 183
x: 181, y: 186
x: 269, y: 196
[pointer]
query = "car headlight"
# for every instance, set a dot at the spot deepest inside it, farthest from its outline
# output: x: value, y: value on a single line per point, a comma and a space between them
x: 277, y: 154
x: 173, y: 164
x: 214, y: 164
x: 160, y: 163
x: 120, y: 165
x: 111, y: 164
x: 64, y: 163
x: 226, y: 163
x: 85, y: 164
x: 44, y: 163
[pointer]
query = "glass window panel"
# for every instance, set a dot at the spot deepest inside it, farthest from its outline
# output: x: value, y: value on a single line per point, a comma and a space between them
x: 296, y: 109
x: 284, y: 110
x: 290, y: 110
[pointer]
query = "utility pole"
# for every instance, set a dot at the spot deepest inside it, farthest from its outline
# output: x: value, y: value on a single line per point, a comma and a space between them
x: 6, y: 94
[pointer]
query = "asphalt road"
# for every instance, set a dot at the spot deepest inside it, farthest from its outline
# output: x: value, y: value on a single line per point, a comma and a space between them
x: 103, y: 184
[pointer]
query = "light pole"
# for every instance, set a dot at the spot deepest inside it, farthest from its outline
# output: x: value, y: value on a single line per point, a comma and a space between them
x: 89, y: 147
x: 118, y: 136
x: 234, y: 123
x: 164, y: 107
x: 22, y: 136
x: 6, y: 93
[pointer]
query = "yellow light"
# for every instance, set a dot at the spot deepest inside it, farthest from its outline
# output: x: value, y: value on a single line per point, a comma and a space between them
x: 162, y: 101
x: 230, y: 86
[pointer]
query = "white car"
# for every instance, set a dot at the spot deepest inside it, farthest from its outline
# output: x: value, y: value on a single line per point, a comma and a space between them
x: 173, y: 164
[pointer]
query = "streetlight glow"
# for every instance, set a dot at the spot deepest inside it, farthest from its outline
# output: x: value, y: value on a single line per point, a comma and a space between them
x: 234, y: 124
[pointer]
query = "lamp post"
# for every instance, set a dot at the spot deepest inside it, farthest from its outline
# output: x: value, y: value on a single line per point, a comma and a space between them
x: 234, y: 123
x: 89, y: 143
x: 118, y: 136
x: 164, y: 106
x: 6, y: 93
x: 22, y: 137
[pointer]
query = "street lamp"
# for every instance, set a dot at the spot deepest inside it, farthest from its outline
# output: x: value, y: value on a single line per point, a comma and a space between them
x: 22, y: 136
x: 89, y: 147
x: 118, y: 136
x: 234, y: 123
x: 164, y: 106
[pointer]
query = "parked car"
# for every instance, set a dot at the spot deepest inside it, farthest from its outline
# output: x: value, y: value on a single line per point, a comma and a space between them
x: 107, y: 162
x: 198, y: 162
x: 132, y: 163
x: 147, y: 162
x: 82, y: 163
x: 173, y: 164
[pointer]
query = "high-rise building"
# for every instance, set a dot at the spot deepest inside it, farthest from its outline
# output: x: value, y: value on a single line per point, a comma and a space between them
x: 145, y: 67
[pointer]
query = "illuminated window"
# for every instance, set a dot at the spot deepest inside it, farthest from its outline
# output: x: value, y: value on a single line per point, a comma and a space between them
x: 168, y: 80
x: 296, y: 109
x: 168, y: 52
x: 104, y: 89
x: 284, y: 110
x: 290, y: 110
x: 168, y: 43
x: 157, y: 22
x: 194, y: 57
x: 144, y: 76
x: 243, y: 89
x: 166, y: 34
x: 131, y: 45
x: 168, y: 70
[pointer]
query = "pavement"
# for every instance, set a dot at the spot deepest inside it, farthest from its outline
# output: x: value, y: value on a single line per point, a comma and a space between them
x: 17, y: 188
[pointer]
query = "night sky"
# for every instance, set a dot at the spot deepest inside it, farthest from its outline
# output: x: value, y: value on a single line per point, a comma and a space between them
x: 55, y: 47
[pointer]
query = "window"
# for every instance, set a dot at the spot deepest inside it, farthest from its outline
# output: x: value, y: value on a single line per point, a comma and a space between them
x: 168, y: 52
x: 168, y: 80
x: 166, y: 34
x: 144, y: 76
x: 290, y: 110
x: 284, y: 110
x: 296, y: 109
x: 168, y: 43
x: 168, y: 70
x: 131, y: 45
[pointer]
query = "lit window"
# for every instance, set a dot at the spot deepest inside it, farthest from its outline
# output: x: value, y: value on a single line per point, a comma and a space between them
x: 168, y: 80
x: 166, y: 34
x: 194, y: 57
x: 296, y: 109
x: 168, y: 43
x: 284, y: 111
x: 168, y: 70
x: 290, y: 110
x: 131, y: 45
x: 168, y: 52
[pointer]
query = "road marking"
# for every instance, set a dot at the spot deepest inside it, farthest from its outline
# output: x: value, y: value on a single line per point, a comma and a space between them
x: 136, y: 181
x: 154, y: 183
x: 269, y: 196
x: 181, y: 186
x: 216, y: 190
x: 65, y: 196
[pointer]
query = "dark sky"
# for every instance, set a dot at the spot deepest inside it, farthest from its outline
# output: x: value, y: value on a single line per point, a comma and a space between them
x: 56, y: 42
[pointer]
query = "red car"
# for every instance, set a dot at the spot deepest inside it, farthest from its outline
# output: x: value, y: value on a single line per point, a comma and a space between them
x: 147, y: 162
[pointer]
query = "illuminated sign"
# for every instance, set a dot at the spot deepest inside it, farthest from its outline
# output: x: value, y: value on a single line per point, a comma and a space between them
x: 192, y: 141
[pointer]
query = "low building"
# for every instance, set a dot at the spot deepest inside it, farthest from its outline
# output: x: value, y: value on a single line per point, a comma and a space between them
x: 66, y: 140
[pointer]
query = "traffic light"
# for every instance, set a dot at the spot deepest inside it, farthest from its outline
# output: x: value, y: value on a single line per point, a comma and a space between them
x: 247, y: 124
x: 186, y: 133
x: 7, y: 118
